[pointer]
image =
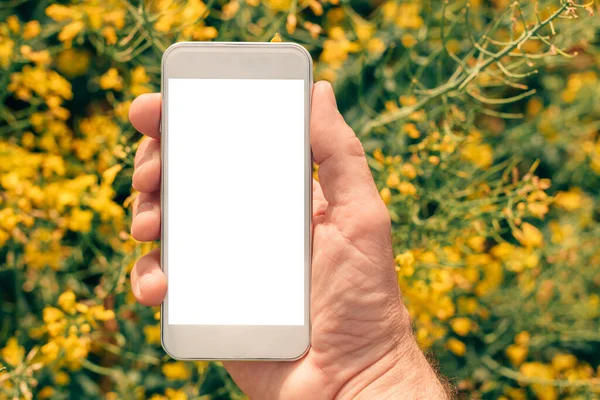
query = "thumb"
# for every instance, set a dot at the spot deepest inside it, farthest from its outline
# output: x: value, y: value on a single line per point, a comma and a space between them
x: 343, y: 171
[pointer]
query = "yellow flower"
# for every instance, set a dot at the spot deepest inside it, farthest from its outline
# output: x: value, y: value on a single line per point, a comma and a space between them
x: 4, y: 237
x: 405, y: 263
x: 201, y: 32
x: 515, y: 394
x: 152, y: 333
x: 516, y: 354
x: 173, y: 394
x: 389, y: 10
x: 408, y: 40
x: 428, y: 257
x: 335, y: 16
x: 411, y: 130
x: 405, y: 259
x: 165, y: 22
x: 336, y: 50
x: 108, y: 176
x: 570, y: 200
x: 453, y: 47
x: 77, y: 349
x: 52, y: 314
x: 62, y: 378
x: 279, y: 5
x: 194, y: 10
x: 392, y: 180
x: 376, y: 46
x: 386, y: 195
x: 407, y: 188
x: 529, y: 235
x: 69, y: 31
x: 122, y: 110
x: 315, y: 7
x: 313, y: 29
x: 364, y: 30
x: 291, y: 23
x: 522, y: 338
x: 99, y: 313
x: 543, y: 371
x: 80, y: 220
x: 139, y: 79
x: 39, y: 81
x: 38, y: 57
x: 407, y: 16
x: 462, y: 326
x: 409, y: 171
x: 456, y: 346
x: 563, y: 361
x: 46, y: 392
x: 493, y: 277
x: 31, y: 30
x: 202, y: 366
x: 115, y: 18
x: 6, y: 51
x: 440, y: 280
x: 110, y: 35
x: 538, y: 210
x: 111, y: 80
x: 534, y: 106
x: 13, y: 24
x: 467, y: 305
x: 176, y: 371
x: 61, y: 13
x: 230, y: 10
x: 50, y: 350
x: 66, y: 301
x: 480, y: 155
x: 12, y: 353
x: 477, y: 243
x: 93, y: 14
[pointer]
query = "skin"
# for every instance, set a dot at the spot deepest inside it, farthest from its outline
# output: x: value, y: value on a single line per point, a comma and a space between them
x: 362, y: 344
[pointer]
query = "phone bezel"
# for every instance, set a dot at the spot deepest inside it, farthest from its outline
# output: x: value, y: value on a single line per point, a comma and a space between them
x: 223, y: 60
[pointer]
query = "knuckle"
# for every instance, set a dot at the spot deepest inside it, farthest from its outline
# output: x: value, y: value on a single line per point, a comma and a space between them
x: 354, y: 147
x: 379, y: 217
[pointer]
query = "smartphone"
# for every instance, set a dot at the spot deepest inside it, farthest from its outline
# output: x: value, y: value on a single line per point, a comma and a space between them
x: 236, y: 197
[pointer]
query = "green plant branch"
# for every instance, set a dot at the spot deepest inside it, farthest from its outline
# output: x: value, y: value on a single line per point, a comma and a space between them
x: 494, y: 366
x: 461, y: 83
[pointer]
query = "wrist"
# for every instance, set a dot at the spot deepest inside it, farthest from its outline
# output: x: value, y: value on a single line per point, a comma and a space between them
x: 411, y: 377
x: 402, y: 373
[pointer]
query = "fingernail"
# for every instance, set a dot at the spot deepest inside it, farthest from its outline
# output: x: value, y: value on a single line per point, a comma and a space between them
x: 144, y: 207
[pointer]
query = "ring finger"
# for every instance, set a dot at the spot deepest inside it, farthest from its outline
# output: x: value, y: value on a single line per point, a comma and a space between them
x: 146, y: 217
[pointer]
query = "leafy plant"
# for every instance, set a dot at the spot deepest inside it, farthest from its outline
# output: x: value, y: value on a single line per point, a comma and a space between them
x: 479, y: 120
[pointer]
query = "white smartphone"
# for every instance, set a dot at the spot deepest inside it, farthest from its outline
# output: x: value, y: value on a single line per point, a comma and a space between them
x: 236, y: 200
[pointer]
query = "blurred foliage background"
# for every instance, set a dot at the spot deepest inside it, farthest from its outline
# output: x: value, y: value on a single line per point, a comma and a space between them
x: 480, y: 122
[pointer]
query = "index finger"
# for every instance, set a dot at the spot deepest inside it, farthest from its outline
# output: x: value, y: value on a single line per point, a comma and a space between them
x: 144, y: 114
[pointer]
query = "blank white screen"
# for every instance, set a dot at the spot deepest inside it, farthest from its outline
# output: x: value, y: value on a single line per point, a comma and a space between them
x: 235, y: 217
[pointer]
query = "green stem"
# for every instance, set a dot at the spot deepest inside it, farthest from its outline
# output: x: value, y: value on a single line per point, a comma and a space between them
x: 493, y: 365
x: 90, y: 366
x: 459, y: 84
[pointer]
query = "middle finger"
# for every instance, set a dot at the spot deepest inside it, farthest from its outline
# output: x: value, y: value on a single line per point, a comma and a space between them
x: 146, y: 217
x: 146, y: 175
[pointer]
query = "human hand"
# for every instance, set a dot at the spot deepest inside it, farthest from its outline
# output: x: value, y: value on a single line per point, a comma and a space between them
x: 361, y: 340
